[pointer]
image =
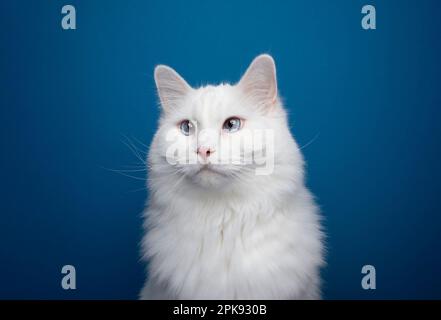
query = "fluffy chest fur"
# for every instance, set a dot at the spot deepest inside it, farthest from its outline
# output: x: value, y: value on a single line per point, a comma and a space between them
x: 253, y: 250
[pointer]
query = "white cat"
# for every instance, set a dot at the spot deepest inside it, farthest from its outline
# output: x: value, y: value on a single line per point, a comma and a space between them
x: 222, y: 230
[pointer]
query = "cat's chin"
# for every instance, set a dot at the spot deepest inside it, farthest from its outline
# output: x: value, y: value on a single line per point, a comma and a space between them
x: 210, y: 177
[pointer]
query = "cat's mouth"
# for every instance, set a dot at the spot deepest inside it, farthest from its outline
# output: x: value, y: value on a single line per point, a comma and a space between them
x: 209, y: 169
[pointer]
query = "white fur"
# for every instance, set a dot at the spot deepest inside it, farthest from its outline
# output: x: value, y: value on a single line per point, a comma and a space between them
x: 232, y: 235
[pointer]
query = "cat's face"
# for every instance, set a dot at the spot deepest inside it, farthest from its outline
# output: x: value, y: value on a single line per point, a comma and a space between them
x: 215, y: 136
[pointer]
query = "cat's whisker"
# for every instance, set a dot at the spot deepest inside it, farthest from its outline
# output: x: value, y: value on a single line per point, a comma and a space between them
x: 142, y: 167
x: 137, y: 190
x: 136, y: 151
x: 131, y: 170
x: 176, y: 171
x: 310, y: 141
x: 125, y: 174
x: 139, y: 166
x: 142, y: 144
x: 173, y: 188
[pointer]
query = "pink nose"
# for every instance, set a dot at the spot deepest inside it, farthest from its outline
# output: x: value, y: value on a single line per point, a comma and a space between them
x: 205, y: 152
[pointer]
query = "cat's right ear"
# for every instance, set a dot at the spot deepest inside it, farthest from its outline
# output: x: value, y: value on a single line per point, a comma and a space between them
x: 259, y: 82
x: 172, y: 88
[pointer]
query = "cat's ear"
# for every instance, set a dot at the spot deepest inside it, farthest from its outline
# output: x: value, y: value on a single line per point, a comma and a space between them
x: 172, y: 88
x: 259, y: 82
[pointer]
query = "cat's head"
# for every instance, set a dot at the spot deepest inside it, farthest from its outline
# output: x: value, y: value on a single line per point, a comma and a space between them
x: 218, y: 136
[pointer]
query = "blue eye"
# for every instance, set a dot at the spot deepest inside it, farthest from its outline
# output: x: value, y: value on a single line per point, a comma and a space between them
x: 232, y: 124
x: 186, y: 127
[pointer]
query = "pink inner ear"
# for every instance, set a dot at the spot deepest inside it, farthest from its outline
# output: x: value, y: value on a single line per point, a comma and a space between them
x: 172, y: 88
x: 259, y: 81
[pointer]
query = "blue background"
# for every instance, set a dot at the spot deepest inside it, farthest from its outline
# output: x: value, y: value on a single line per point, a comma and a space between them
x: 371, y: 100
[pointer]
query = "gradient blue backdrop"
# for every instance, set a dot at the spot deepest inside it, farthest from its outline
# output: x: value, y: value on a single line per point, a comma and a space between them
x: 68, y: 98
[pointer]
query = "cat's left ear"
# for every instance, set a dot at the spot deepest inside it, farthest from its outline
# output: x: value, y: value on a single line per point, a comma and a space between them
x: 172, y: 88
x: 259, y: 81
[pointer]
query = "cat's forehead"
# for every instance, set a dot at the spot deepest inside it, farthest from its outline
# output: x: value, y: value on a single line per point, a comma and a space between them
x: 209, y: 105
x: 213, y: 101
x: 209, y: 95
